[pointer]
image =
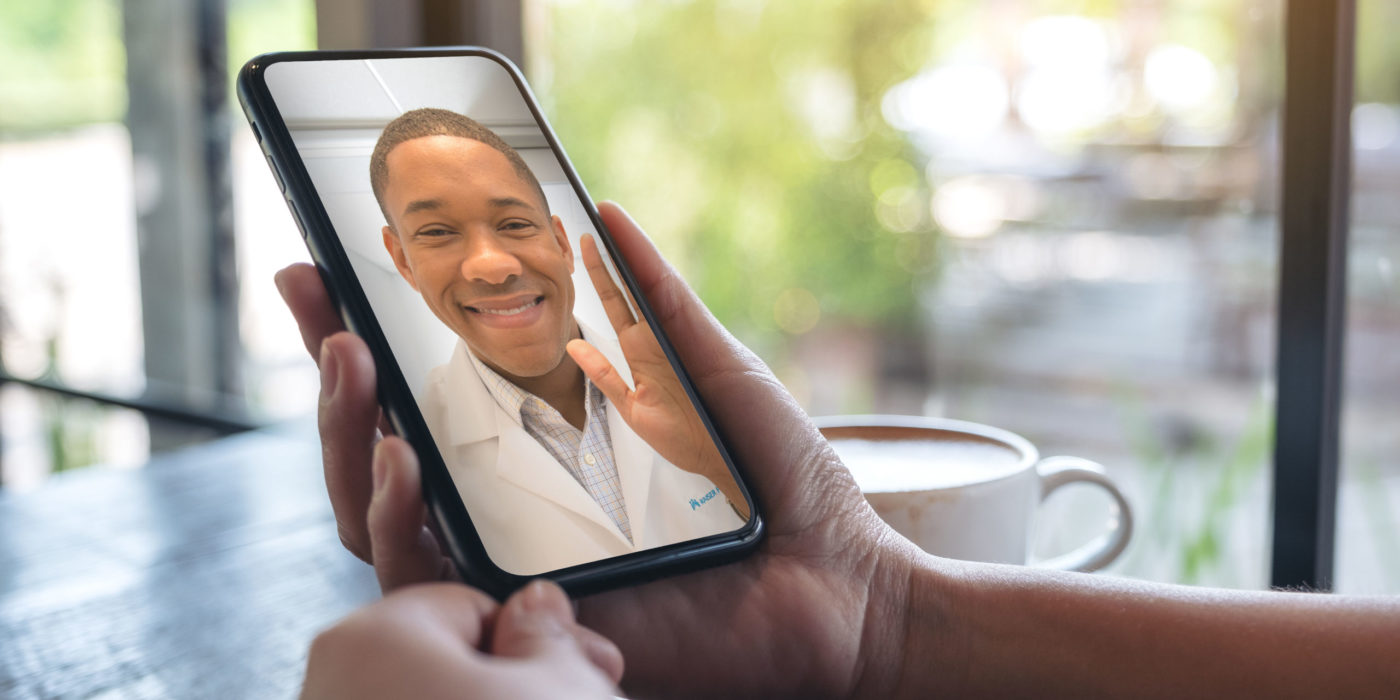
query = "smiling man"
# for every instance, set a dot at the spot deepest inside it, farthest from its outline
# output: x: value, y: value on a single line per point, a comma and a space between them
x: 567, y: 445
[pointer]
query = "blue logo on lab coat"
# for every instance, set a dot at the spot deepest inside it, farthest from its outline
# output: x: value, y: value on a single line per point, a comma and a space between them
x: 696, y: 503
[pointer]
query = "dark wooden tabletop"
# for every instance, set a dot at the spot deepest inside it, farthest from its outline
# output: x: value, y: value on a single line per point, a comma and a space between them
x: 204, y: 574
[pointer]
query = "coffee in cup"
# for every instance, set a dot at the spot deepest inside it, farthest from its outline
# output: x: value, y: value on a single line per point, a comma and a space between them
x: 968, y: 491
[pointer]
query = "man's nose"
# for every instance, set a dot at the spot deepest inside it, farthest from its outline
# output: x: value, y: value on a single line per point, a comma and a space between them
x: 487, y: 261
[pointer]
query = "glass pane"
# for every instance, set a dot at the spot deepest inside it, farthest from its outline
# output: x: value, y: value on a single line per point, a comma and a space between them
x: 1056, y: 218
x: 1368, y: 508
x: 70, y: 282
x: 69, y: 292
x: 46, y: 434
x: 279, y: 378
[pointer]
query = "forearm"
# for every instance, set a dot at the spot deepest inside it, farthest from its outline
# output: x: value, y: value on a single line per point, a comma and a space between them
x: 976, y: 629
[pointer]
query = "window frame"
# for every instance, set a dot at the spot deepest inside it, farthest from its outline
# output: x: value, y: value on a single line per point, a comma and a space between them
x: 1319, y: 75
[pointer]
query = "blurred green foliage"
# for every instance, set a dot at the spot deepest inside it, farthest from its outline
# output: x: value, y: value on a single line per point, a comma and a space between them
x: 748, y: 139
x: 62, y: 62
x: 1378, y: 54
x: 260, y: 26
x: 1200, y: 481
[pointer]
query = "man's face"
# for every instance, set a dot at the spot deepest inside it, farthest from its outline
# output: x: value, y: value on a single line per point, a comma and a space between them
x: 473, y: 238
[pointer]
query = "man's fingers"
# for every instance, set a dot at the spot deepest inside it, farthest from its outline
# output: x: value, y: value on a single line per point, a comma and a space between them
x: 599, y: 371
x: 614, y: 302
x: 303, y: 292
x: 347, y: 416
x: 538, y: 621
x: 405, y: 551
x: 787, y: 460
x: 590, y: 246
x: 703, y: 343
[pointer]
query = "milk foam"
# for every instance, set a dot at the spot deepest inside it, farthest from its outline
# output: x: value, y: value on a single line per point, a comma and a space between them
x: 918, y: 465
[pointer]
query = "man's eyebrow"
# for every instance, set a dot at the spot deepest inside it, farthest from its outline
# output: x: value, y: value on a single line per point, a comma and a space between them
x: 502, y: 202
x: 422, y: 205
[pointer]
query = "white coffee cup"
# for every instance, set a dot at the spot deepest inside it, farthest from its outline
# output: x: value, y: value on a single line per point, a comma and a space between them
x: 969, y: 491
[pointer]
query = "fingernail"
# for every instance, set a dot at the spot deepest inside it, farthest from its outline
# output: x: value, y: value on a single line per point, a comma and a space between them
x: 540, y: 597
x: 330, y: 370
x: 378, y: 466
x: 281, y: 288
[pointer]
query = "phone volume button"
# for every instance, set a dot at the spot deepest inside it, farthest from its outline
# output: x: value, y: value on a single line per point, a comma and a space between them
x: 276, y: 175
x: 296, y: 216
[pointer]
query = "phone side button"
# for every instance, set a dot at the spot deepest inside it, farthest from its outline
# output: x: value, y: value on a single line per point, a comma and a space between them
x: 296, y: 216
x: 276, y: 175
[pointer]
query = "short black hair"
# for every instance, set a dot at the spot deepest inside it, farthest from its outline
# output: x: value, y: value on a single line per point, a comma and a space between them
x: 419, y: 123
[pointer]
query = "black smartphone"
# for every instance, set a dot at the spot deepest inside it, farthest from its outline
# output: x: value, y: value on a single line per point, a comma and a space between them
x: 558, y: 432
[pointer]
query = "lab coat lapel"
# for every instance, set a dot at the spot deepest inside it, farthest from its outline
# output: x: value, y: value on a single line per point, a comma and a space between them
x: 474, y: 417
x: 469, y: 413
x: 521, y: 460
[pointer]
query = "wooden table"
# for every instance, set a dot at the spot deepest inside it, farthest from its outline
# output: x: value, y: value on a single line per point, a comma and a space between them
x: 204, y: 574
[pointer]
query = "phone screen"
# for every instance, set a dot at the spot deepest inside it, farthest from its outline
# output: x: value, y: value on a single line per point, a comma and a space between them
x: 567, y: 433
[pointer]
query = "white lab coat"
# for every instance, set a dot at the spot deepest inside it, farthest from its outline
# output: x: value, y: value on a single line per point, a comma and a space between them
x: 532, y: 515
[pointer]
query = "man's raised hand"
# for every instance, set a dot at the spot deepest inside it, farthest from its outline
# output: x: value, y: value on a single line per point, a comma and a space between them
x: 658, y: 409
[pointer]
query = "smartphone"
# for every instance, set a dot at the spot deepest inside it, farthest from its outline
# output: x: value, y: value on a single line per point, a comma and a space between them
x: 559, y: 434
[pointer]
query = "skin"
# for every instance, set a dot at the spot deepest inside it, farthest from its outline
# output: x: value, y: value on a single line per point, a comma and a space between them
x: 837, y: 605
x: 449, y: 641
x: 658, y: 410
x: 477, y: 242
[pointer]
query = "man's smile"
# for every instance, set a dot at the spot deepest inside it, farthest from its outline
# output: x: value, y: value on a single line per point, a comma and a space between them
x: 516, y: 311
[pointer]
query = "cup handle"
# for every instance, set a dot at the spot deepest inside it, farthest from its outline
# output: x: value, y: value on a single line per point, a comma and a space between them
x: 1056, y: 472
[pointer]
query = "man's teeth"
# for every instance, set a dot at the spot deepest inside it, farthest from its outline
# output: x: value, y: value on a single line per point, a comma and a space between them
x: 508, y: 312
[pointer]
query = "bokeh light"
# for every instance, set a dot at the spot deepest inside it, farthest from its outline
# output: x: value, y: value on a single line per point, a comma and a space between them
x: 949, y: 102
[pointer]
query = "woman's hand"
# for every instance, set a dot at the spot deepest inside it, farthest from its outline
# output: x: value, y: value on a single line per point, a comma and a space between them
x: 451, y: 641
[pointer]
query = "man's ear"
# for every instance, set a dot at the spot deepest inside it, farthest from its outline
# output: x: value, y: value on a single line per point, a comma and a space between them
x: 562, y: 237
x: 395, y: 248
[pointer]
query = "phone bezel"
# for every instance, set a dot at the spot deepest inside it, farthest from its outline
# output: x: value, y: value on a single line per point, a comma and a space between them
x: 454, y: 522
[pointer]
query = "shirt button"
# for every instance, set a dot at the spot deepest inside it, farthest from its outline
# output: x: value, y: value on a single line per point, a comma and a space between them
x: 589, y: 459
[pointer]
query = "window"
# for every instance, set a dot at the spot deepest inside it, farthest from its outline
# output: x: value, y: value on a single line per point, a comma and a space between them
x: 1059, y: 219
x: 95, y: 288
x: 1368, y: 508
x: 1062, y: 219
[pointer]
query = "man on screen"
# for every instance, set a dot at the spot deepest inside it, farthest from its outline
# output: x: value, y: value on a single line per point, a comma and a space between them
x: 566, y: 446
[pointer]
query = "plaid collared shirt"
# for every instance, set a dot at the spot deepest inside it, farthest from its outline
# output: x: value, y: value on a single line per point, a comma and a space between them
x: 586, y: 454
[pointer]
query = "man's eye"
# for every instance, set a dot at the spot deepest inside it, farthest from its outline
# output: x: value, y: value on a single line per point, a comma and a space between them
x: 434, y: 233
x: 517, y: 226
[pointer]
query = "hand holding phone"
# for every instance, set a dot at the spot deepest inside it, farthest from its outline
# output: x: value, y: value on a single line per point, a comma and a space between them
x: 830, y: 573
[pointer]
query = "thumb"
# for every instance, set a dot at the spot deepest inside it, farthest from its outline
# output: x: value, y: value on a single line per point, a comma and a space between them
x: 538, y: 621
x: 405, y: 551
x: 599, y: 370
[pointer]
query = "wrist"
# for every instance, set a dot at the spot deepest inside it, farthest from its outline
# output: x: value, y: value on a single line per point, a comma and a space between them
x: 909, y: 648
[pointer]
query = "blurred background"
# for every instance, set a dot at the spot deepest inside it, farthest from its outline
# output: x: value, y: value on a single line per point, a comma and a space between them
x: 1056, y: 217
